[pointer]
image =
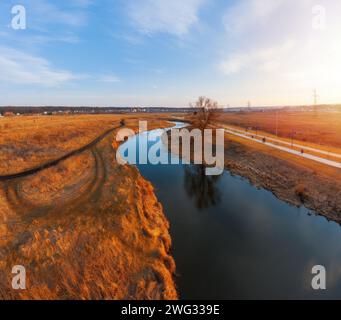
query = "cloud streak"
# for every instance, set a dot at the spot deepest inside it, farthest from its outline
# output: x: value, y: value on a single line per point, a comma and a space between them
x: 265, y: 59
x: 243, y: 16
x: 108, y: 78
x: 174, y: 17
x: 22, y: 68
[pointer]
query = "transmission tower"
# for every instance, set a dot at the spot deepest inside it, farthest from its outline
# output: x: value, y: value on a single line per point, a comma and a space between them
x: 316, y: 96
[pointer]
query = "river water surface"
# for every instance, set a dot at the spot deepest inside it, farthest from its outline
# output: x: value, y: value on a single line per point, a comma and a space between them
x: 233, y: 241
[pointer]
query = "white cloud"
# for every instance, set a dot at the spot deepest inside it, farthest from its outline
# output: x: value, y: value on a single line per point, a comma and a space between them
x: 256, y: 34
x: 18, y: 67
x: 22, y: 68
x: 265, y: 59
x: 234, y: 64
x: 175, y: 17
x: 246, y: 14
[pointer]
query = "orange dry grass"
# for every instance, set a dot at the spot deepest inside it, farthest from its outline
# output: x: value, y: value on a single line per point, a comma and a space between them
x: 115, y: 255
x: 26, y: 142
x: 29, y: 141
x: 322, y: 128
x: 85, y: 229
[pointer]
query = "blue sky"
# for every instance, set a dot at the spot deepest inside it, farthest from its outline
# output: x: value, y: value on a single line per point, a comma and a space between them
x: 167, y: 53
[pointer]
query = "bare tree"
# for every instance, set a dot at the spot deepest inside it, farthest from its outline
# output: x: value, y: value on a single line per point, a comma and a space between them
x: 205, y: 112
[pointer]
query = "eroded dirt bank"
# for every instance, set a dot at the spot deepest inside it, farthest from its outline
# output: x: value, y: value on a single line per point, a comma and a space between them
x: 298, y: 182
x: 87, y: 228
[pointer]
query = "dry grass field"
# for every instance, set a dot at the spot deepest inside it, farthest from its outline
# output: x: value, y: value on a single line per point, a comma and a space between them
x: 86, y: 228
x: 29, y: 141
x: 321, y: 128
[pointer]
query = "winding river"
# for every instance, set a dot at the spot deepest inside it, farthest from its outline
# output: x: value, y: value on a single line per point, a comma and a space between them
x: 233, y: 241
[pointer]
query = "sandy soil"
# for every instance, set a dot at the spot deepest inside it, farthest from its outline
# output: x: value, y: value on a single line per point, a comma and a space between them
x: 86, y: 228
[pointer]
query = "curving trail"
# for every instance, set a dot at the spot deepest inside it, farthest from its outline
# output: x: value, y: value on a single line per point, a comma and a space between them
x: 57, y: 161
x: 85, y: 228
x: 82, y: 190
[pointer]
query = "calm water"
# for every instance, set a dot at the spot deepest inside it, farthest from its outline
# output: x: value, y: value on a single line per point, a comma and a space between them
x: 232, y: 241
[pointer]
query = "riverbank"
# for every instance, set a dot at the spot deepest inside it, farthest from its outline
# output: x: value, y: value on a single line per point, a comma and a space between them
x: 86, y: 228
x: 297, y: 181
x: 294, y: 180
x: 233, y: 230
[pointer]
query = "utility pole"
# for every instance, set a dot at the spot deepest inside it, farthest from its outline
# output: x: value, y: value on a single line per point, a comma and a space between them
x: 276, y: 123
x: 292, y: 138
x: 316, y: 96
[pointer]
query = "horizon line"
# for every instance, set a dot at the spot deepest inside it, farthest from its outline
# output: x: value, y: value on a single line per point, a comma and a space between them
x: 171, y: 107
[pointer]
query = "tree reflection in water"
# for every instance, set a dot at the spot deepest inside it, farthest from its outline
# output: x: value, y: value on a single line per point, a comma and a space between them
x: 200, y: 187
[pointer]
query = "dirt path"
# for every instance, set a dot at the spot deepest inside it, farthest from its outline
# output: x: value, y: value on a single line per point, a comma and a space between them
x: 85, y: 227
x: 56, y: 161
